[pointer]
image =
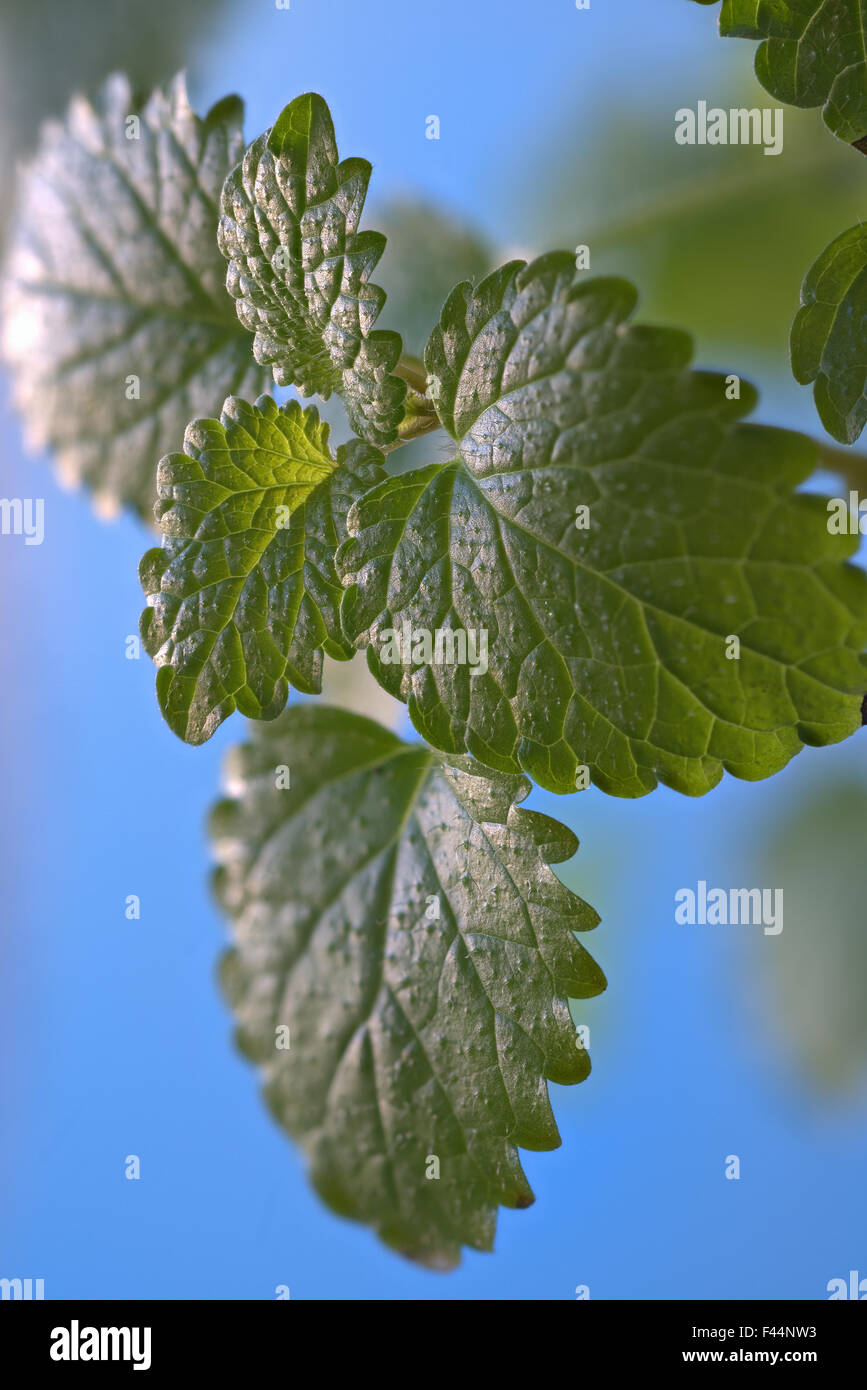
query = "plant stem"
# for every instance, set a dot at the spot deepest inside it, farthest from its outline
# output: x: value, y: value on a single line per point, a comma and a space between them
x: 848, y: 465
x: 421, y: 418
x: 412, y: 370
x: 420, y: 415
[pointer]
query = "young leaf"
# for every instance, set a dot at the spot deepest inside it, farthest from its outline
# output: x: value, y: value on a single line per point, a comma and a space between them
x: 299, y: 269
x: 829, y: 340
x: 401, y: 964
x: 812, y: 54
x: 243, y: 596
x: 655, y: 601
x: 116, y: 321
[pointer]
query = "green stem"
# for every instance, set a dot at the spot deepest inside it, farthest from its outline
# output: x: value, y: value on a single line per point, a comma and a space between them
x: 847, y: 464
x: 420, y: 415
x: 412, y: 370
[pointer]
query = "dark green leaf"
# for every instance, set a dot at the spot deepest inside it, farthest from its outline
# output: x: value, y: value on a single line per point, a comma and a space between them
x: 116, y: 321
x: 812, y: 54
x: 394, y: 911
x: 299, y: 269
x: 243, y: 596
x: 829, y: 335
x: 607, y: 646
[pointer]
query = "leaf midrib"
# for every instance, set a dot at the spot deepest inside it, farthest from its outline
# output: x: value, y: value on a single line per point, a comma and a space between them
x: 602, y: 577
x: 392, y: 847
x: 230, y: 326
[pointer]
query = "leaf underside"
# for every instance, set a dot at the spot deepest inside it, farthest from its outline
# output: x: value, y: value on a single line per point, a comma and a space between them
x: 607, y: 646
x: 415, y: 1032
x: 117, y: 325
x: 242, y: 596
x: 829, y: 337
x: 812, y: 53
x: 299, y: 269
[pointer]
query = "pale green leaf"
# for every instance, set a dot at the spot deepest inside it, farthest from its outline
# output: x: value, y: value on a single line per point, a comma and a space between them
x: 243, y: 597
x: 116, y: 322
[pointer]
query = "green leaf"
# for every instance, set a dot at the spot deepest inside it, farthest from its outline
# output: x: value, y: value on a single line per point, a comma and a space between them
x: 299, y: 269
x: 829, y: 338
x: 607, y: 646
x: 394, y: 911
x: 117, y: 325
x: 243, y: 596
x: 812, y: 54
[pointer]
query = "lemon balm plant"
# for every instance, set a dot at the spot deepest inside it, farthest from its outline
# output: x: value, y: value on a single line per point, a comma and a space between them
x: 658, y: 603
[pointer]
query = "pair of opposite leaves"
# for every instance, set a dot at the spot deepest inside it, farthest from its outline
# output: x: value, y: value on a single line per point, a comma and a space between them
x: 814, y: 53
x: 607, y: 646
x: 607, y: 642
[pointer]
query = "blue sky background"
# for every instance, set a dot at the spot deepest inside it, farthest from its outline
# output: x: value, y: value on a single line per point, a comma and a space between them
x: 114, y: 1038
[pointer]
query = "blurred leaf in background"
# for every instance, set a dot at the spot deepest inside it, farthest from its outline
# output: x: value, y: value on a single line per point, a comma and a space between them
x: 719, y: 239
x: 427, y: 254
x: 812, y: 978
x: 113, y: 265
x: 48, y: 50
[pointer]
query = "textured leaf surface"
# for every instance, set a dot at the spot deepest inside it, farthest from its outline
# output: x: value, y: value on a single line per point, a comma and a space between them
x: 813, y: 53
x: 829, y: 335
x: 299, y: 269
x: 114, y: 273
x: 606, y: 645
x: 413, y: 1032
x: 242, y: 595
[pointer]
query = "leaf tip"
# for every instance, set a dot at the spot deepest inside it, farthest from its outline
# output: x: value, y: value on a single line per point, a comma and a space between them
x: 304, y: 119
